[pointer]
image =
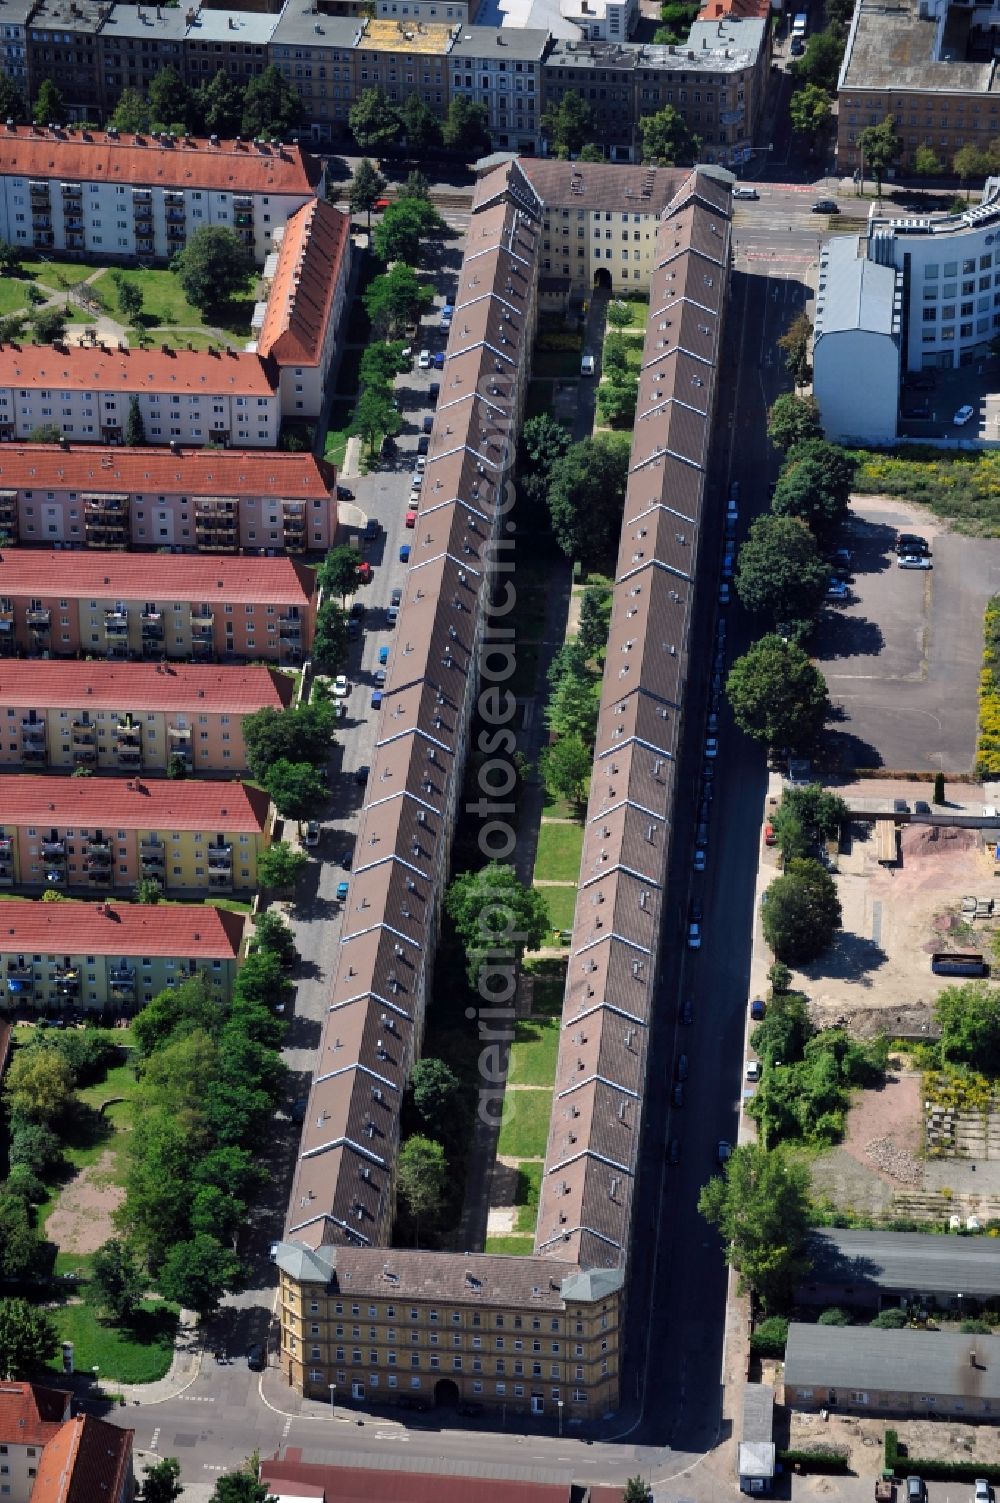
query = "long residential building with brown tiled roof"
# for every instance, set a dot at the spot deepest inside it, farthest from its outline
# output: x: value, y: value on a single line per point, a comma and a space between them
x: 566, y: 1299
x: 55, y: 603
x: 135, y: 717
x: 184, y: 500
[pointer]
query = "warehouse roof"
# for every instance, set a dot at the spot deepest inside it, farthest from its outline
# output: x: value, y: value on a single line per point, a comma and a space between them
x: 138, y: 803
x: 192, y: 472
x: 193, y: 930
x: 77, y: 368
x: 866, y: 1358
x: 236, y: 689
x: 854, y: 293
x: 237, y: 579
x: 314, y: 243
x: 905, y: 1261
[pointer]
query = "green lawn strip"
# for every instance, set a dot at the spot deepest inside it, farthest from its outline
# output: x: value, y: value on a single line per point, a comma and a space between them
x: 519, y: 1247
x: 525, y: 1130
x: 123, y: 1356
x: 335, y: 446
x: 13, y: 295
x: 557, y: 858
x: 529, y: 1185
x: 558, y: 808
x: 539, y: 398
x: 549, y: 977
x: 180, y: 340
x: 533, y: 1052
x: 638, y: 308
x: 61, y: 275
x: 561, y: 903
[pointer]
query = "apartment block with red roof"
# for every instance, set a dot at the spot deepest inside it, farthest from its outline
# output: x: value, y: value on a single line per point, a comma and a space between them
x: 30, y: 1417
x: 300, y: 323
x: 131, y: 717
x: 117, y: 195
x: 190, y: 835
x: 162, y: 606
x: 101, y: 957
x: 48, y: 1455
x: 184, y: 396
x: 188, y: 500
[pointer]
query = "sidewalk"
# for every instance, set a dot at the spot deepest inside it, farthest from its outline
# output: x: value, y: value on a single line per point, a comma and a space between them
x: 184, y: 1369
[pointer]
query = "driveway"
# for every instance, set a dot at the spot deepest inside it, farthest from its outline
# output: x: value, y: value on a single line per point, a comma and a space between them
x: 902, y: 654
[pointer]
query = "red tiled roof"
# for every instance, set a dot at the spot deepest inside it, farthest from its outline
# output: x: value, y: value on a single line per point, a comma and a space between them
x: 81, y: 369
x: 237, y: 690
x: 192, y: 930
x: 195, y: 163
x: 344, y: 1484
x: 31, y: 1414
x: 138, y: 803
x: 88, y: 1460
x: 717, y: 10
x: 239, y: 580
x: 193, y: 472
x: 313, y: 246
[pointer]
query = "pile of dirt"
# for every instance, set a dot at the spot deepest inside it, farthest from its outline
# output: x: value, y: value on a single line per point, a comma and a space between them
x: 927, y: 840
x: 894, y: 1161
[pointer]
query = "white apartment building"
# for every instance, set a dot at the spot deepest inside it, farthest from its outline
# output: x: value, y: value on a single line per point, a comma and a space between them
x: 501, y: 69
x: 184, y: 396
x: 138, y: 197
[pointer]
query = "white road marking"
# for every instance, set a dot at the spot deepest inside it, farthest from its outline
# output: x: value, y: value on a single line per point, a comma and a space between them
x: 156, y: 1436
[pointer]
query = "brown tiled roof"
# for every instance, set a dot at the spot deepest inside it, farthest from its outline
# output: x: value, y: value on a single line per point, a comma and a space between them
x: 198, y: 931
x: 585, y: 1207
x: 31, y: 1414
x: 98, y: 685
x: 341, y: 1484
x: 603, y: 185
x: 193, y: 472
x: 315, y: 240
x: 138, y: 803
x: 141, y: 162
x: 88, y: 1460
x: 78, y: 368
x: 240, y: 580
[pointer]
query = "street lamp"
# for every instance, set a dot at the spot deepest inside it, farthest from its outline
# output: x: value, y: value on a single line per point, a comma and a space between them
x: 95, y: 1370
x: 559, y: 1405
x: 333, y: 1396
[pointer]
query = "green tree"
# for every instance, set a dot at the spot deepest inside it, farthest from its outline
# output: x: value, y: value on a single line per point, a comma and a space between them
x: 271, y: 106
x: 241, y: 1487
x: 367, y: 186
x: 809, y: 110
x: 329, y: 648
x: 196, y: 1274
x: 667, y: 139
x: 416, y: 186
x: 396, y: 297
x: 926, y: 162
x: 21, y: 1249
x: 213, y: 266
x: 421, y: 126
x: 175, y: 1012
x: 374, y: 121
x: 971, y: 162
x: 565, y: 768
x: 770, y: 1337
x: 543, y: 442
x: 760, y: 1205
x: 403, y: 226
x: 303, y: 734
x: 467, y: 128
x: 568, y: 123
x: 27, y: 1339
x: 135, y: 428
x: 795, y: 345
x: 280, y: 867
x: 777, y: 695
x: 131, y: 113
x: 36, y: 1145
x: 148, y: 890
x: 129, y: 296
x: 374, y: 417
x: 807, y: 816
x: 177, y: 767
x: 779, y: 571
x: 271, y: 933
x: 219, y: 105
x: 880, y: 147
x: 815, y: 485
x: 574, y: 705
x: 616, y: 401
x: 834, y: 1316
x: 48, y: 325
x: 117, y: 1283
x: 889, y: 1320
x: 591, y: 153
x: 495, y: 915
x: 49, y: 106
x: 297, y: 789
x: 38, y: 1084
x: 637, y: 1490
x: 595, y: 617
x: 969, y: 1016
x: 437, y: 1096
x: 262, y: 981
x: 12, y: 105
x: 45, y: 433
x: 161, y: 1480
x: 11, y: 328
x: 338, y: 573
x: 585, y: 497
x: 800, y: 911
x: 381, y: 363
x: 792, y: 420
x: 820, y: 63
x: 421, y: 1178
x: 169, y: 98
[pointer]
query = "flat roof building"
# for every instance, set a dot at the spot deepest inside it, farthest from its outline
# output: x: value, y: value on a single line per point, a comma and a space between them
x: 186, y: 500
x: 864, y: 1370
x: 50, y: 711
x: 62, y: 46
x: 187, y: 834
x: 134, y: 43
x: 56, y: 603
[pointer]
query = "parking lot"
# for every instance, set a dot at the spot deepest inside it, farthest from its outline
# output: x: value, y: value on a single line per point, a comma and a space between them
x: 901, y: 653
x: 928, y: 407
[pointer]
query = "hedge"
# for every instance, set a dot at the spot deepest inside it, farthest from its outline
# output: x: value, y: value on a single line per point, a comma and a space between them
x: 912, y: 1466
x: 819, y: 1460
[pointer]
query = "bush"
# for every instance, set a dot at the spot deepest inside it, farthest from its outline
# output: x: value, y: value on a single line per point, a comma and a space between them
x: 889, y: 1320
x: 834, y: 1317
x: 820, y: 1460
x: 988, y: 743
x: 770, y: 1337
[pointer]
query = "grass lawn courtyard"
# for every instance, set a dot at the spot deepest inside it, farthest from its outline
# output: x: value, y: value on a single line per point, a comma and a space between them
x: 561, y: 903
x: 525, y: 1129
x: 560, y: 847
x: 140, y: 1354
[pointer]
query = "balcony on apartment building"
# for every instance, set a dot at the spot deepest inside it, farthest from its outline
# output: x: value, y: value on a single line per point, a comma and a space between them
x: 8, y: 514
x: 294, y: 520
x: 38, y: 193
x: 220, y: 866
x: 202, y: 632
x: 215, y: 522
x: 152, y: 857
x: 144, y: 245
x: 105, y: 521
x: 53, y: 850
x: 33, y: 741
x: 38, y: 619
x: 8, y: 639
x: 151, y: 625
x: 67, y: 980
x: 20, y: 978
x: 290, y: 639
x: 6, y: 861
x: 97, y: 859
x: 121, y: 979
x: 179, y: 739
x: 116, y: 630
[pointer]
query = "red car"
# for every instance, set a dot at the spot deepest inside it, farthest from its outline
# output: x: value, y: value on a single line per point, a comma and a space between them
x: 382, y: 203
x: 769, y: 836
x: 411, y: 519
x: 365, y: 572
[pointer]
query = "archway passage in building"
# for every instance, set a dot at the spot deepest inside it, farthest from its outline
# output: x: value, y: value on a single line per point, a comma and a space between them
x: 446, y: 1394
x: 602, y: 279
